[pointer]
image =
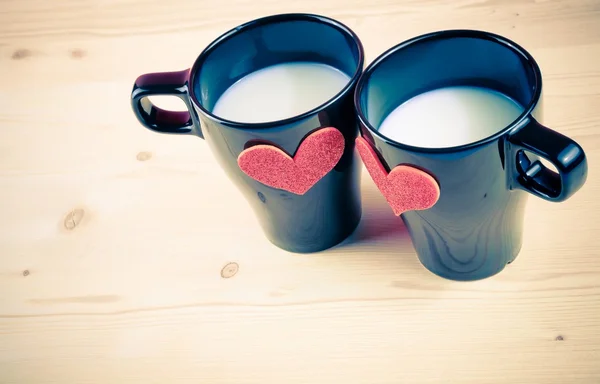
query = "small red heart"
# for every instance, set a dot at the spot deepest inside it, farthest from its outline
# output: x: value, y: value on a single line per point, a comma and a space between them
x: 318, y: 154
x: 405, y: 188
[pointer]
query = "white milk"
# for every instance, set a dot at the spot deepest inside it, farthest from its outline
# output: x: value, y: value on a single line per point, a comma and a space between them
x: 450, y: 116
x: 279, y: 92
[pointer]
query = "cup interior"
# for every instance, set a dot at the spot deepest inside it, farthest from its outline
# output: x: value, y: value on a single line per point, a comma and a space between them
x: 269, y: 41
x: 445, y: 59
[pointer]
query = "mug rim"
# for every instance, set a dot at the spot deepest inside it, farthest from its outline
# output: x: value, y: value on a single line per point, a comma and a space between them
x: 441, y: 35
x: 277, y: 18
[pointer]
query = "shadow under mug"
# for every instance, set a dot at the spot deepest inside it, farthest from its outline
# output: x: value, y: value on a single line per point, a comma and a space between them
x: 476, y: 226
x: 329, y: 211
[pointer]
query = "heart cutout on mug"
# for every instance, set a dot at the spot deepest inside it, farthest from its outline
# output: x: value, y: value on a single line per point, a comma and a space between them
x: 316, y: 155
x: 405, y: 187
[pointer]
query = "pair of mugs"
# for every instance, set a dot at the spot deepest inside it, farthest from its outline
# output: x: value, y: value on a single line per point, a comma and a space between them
x: 463, y: 205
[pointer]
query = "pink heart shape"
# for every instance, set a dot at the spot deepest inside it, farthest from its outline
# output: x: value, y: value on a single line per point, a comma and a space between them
x: 318, y: 154
x: 405, y: 188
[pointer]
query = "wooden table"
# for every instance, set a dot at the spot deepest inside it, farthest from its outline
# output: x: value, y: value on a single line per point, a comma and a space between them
x: 128, y: 257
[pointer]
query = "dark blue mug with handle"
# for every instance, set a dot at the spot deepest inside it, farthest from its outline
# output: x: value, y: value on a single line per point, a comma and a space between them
x: 451, y: 134
x: 298, y: 171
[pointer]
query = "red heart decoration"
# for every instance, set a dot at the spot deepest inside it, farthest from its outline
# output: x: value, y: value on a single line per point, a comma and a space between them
x: 405, y: 188
x: 318, y: 153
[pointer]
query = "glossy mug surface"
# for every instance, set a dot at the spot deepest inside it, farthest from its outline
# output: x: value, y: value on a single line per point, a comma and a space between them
x: 476, y: 226
x: 330, y: 210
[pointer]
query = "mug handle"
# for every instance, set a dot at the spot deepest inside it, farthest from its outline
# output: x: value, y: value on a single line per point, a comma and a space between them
x: 158, y: 119
x: 565, y: 154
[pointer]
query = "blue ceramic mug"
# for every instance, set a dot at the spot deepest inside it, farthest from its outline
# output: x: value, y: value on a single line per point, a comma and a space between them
x: 298, y: 221
x: 475, y: 227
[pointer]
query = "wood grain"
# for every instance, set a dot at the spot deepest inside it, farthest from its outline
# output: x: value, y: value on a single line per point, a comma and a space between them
x: 116, y: 243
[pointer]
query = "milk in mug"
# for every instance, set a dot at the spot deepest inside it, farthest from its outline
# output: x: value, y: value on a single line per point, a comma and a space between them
x: 450, y: 116
x: 280, y: 91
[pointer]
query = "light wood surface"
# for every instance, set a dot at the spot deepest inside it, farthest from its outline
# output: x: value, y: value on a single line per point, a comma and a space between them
x: 115, y: 241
